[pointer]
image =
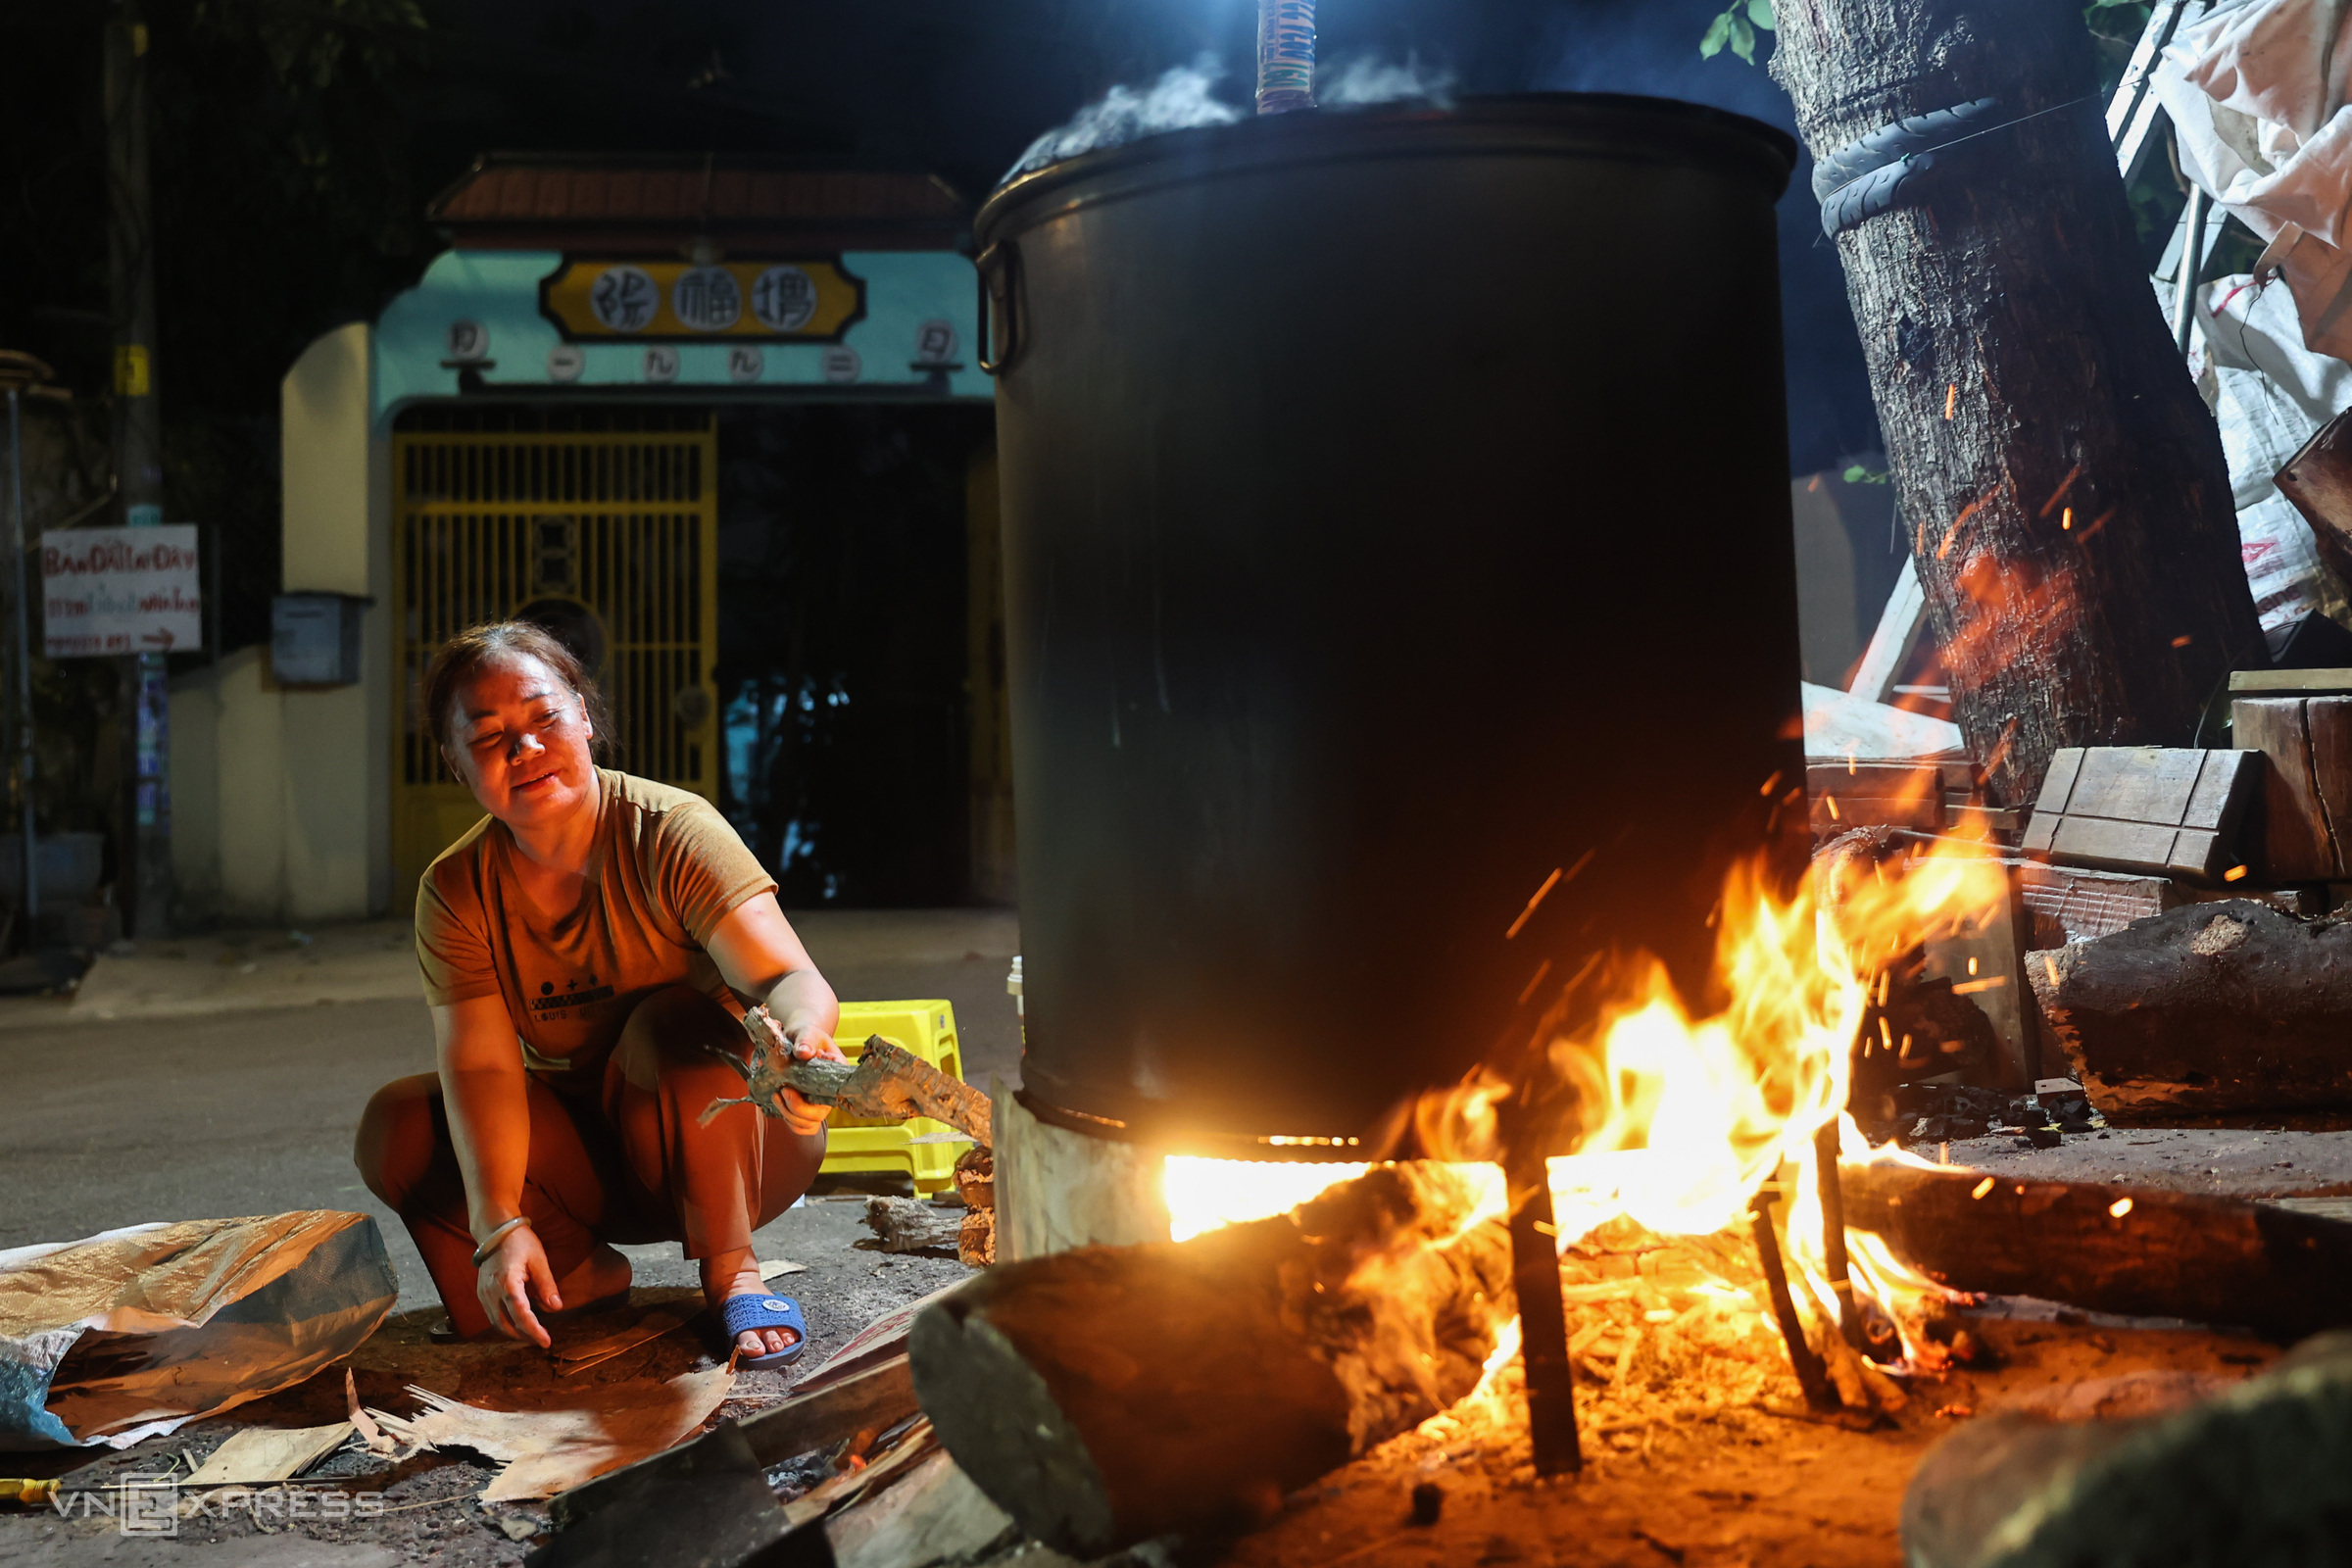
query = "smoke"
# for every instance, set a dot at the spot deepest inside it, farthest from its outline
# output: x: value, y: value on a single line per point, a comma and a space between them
x: 1370, y: 80
x: 1185, y: 97
x: 1181, y: 99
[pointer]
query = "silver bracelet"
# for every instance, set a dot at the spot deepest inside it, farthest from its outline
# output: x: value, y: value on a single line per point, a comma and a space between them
x: 496, y: 1235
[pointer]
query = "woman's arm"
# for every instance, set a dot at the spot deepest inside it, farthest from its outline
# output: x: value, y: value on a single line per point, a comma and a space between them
x: 761, y: 956
x: 487, y: 1093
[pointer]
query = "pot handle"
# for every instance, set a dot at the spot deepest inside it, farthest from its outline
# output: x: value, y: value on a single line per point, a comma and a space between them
x: 1000, y: 257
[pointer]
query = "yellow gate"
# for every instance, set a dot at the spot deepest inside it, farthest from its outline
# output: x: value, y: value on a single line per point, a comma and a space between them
x: 605, y: 530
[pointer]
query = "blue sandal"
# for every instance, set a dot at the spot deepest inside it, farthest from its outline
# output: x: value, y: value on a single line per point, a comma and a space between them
x: 745, y: 1314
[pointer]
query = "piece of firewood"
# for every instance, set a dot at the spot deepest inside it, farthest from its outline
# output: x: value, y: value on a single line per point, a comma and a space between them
x: 894, y: 1082
x: 2226, y: 1008
x: 910, y: 1225
x: 886, y: 1082
x: 1109, y: 1394
x: 2142, y: 1251
x: 976, y: 1177
x: 976, y: 1239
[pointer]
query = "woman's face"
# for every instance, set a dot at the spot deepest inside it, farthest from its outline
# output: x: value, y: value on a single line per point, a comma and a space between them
x: 522, y: 743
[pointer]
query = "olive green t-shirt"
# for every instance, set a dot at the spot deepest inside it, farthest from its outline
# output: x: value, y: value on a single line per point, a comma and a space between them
x: 666, y: 869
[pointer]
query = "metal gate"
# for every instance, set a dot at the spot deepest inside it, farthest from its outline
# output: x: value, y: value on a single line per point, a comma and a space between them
x: 602, y: 525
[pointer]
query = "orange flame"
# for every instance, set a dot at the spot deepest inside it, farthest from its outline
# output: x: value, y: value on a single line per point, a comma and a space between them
x: 1685, y: 1118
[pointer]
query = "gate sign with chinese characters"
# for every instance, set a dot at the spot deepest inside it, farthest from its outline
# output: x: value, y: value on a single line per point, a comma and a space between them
x: 679, y: 302
x: 120, y: 591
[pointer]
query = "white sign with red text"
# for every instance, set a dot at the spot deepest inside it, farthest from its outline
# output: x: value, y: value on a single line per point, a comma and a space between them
x: 120, y: 591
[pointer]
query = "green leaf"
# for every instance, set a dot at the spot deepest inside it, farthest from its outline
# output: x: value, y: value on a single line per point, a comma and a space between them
x: 1760, y: 13
x: 1744, y: 39
x: 1719, y: 33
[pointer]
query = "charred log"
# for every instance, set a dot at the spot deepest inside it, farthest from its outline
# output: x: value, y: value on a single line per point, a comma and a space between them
x: 2069, y: 505
x: 2210, y: 1009
x: 2137, y: 1251
x: 1107, y: 1396
x: 910, y: 1225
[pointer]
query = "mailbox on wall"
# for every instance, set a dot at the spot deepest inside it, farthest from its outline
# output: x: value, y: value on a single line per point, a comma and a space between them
x: 315, y: 638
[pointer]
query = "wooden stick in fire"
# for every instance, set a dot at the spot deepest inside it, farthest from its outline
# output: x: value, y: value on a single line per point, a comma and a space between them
x: 1832, y: 1232
x: 1536, y: 1283
x: 1811, y: 1375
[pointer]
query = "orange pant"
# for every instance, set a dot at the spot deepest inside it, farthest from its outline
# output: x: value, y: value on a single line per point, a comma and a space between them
x: 614, y: 1158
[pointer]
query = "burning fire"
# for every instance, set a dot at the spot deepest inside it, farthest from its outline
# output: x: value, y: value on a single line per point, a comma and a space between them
x: 1204, y: 1194
x: 1686, y: 1119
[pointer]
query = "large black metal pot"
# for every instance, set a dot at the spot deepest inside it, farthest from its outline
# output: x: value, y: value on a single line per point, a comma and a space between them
x: 1396, y: 511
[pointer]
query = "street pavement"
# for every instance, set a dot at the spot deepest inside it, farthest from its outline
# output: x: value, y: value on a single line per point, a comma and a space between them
x: 224, y: 1075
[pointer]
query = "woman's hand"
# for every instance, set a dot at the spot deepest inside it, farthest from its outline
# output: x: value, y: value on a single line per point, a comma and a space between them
x: 763, y: 960
x: 802, y: 1039
x: 508, y: 1279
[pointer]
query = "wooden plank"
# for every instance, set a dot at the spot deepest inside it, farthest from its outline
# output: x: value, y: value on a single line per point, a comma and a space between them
x: 1834, y: 812
x: 2134, y: 115
x: 2328, y: 721
x: 868, y: 1402
x: 935, y: 1515
x: 1896, y: 636
x: 1885, y: 781
x: 2168, y: 811
x: 2068, y: 903
x: 2289, y: 682
x: 2225, y: 790
x: 2294, y: 844
x: 2121, y: 845
x: 2317, y: 479
x: 2200, y: 855
x: 2058, y: 784
x: 2137, y: 783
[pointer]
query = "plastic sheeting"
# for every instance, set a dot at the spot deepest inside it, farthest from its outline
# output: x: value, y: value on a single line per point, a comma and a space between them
x: 137, y: 1331
x: 2257, y: 94
x: 2269, y: 394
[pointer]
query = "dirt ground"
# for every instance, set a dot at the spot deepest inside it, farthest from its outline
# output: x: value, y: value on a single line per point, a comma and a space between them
x: 1669, y: 1479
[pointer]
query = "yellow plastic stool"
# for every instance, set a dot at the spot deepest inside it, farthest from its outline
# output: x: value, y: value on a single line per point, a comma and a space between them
x: 927, y: 1029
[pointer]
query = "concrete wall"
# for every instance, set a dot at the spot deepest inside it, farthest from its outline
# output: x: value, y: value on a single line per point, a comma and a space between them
x: 282, y: 796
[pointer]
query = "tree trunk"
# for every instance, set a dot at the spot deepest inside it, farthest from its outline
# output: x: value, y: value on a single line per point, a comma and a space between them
x: 2026, y: 381
x: 1109, y: 1394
